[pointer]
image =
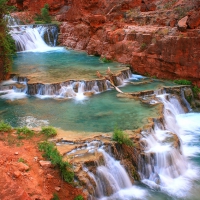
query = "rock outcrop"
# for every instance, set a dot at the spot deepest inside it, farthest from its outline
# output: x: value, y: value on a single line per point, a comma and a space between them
x: 149, y: 41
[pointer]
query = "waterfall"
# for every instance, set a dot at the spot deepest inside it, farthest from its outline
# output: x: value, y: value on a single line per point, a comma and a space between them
x: 163, y: 165
x: 34, y: 37
x: 184, y: 100
x: 112, y: 181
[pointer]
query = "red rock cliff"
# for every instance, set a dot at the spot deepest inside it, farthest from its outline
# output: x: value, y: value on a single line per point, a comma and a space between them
x: 148, y: 34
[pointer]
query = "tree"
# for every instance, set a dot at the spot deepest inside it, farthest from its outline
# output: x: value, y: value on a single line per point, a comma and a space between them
x: 7, y: 44
x: 45, y: 14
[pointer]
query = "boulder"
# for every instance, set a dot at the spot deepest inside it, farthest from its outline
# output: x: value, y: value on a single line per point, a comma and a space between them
x: 22, y: 167
x: 46, y: 164
x: 182, y: 24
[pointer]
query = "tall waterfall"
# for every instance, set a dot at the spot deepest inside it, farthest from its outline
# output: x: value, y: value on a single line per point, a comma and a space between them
x: 163, y: 165
x: 34, y: 37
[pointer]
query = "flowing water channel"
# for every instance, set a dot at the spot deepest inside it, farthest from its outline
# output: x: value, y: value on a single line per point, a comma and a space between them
x: 166, y: 172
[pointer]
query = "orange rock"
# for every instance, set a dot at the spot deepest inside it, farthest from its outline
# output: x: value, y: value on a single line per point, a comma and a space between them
x: 17, y: 174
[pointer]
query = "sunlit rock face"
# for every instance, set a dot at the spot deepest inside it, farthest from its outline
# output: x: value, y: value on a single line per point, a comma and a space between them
x: 143, y: 34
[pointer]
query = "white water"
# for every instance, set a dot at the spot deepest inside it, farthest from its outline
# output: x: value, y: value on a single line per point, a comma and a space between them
x: 30, y: 39
x: 170, y: 170
x: 112, y: 181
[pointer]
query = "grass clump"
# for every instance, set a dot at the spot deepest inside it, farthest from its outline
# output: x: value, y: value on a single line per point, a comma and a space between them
x: 55, y: 197
x: 121, y: 137
x: 183, y: 82
x: 49, y: 131
x: 4, y: 127
x: 24, y: 132
x: 79, y: 197
x: 196, y: 91
x: 21, y: 160
x: 51, y: 153
x: 143, y: 46
x: 105, y: 60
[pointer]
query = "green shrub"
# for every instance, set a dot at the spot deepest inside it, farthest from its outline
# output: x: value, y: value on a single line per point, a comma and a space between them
x: 21, y: 160
x: 143, y: 46
x: 49, y: 131
x: 79, y: 197
x: 45, y: 14
x: 4, y: 127
x: 121, y: 137
x: 55, y: 197
x: 183, y: 82
x: 51, y: 153
x: 196, y: 91
x: 24, y: 132
x: 105, y: 60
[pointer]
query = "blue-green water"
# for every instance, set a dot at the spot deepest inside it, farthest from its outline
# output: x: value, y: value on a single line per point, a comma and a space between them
x: 60, y: 65
x: 98, y: 113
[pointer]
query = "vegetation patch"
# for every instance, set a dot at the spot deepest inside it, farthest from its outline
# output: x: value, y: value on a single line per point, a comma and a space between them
x: 183, y: 82
x: 105, y: 60
x: 51, y: 153
x: 79, y: 197
x: 121, y: 137
x: 49, y: 131
x: 143, y: 46
x: 196, y: 91
x: 44, y: 17
x: 24, y: 132
x: 4, y: 127
x: 55, y: 197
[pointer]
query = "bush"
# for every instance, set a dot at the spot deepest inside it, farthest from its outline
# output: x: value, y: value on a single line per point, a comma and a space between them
x: 183, y: 82
x: 21, y: 160
x: 143, y: 46
x: 79, y: 197
x: 24, y: 132
x: 196, y: 91
x: 55, y: 197
x: 105, y: 60
x: 4, y: 127
x: 121, y: 137
x: 49, y: 131
x: 51, y: 153
x: 45, y: 14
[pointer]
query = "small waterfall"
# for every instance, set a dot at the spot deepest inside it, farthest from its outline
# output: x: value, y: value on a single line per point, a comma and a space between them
x: 33, y: 37
x: 111, y: 177
x: 12, y: 21
x: 163, y: 165
x: 184, y: 100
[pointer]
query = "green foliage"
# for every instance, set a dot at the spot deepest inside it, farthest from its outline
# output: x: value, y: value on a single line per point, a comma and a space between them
x: 183, y: 82
x: 7, y: 44
x: 105, y: 60
x: 143, y: 46
x: 51, y: 153
x: 55, y: 197
x: 196, y: 91
x: 121, y: 137
x: 4, y: 127
x: 168, y: 5
x: 181, y: 11
x: 49, y: 131
x: 24, y: 132
x: 45, y: 14
x: 21, y: 160
x: 79, y: 197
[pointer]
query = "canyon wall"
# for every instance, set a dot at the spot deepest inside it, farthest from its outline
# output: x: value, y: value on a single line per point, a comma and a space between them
x: 157, y: 38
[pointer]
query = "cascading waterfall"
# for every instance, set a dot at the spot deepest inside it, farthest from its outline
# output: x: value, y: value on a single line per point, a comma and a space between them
x: 163, y: 165
x: 33, y: 37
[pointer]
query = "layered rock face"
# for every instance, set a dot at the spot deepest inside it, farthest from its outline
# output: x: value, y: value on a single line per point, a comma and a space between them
x: 150, y: 35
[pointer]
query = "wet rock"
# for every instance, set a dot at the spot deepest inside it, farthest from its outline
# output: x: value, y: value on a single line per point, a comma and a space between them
x: 182, y: 24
